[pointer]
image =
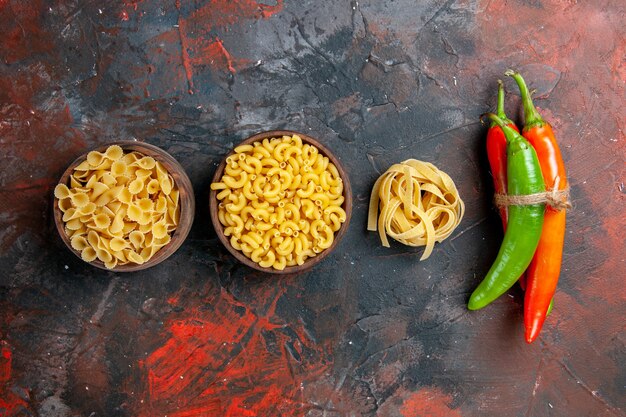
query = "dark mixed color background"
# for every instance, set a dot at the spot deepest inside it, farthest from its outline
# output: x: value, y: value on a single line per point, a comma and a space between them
x: 369, y: 332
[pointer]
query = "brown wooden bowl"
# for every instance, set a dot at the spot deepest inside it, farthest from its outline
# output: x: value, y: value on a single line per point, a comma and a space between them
x: 310, y: 262
x: 186, y: 200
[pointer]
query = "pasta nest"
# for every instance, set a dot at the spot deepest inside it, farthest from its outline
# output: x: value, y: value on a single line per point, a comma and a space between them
x: 419, y: 205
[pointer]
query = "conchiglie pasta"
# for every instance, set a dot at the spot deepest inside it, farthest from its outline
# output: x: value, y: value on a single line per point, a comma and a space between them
x: 136, y: 186
x: 159, y: 229
x: 88, y: 254
x: 118, y: 207
x: 134, y: 212
x: 118, y: 168
x: 114, y: 152
x: 79, y: 243
x: 271, y: 193
x: 117, y: 244
x: 153, y: 186
x: 146, y: 162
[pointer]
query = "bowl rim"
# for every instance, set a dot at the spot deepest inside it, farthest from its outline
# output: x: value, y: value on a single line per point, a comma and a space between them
x: 310, y: 262
x: 187, y: 203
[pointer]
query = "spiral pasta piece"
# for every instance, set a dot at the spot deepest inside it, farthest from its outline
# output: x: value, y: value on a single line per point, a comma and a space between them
x: 419, y: 205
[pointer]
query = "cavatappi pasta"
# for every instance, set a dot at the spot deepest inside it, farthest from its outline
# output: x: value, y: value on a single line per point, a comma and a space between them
x: 119, y: 207
x: 419, y: 205
x: 280, y: 201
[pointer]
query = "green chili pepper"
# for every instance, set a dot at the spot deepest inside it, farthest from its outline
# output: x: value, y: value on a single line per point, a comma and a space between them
x: 525, y: 222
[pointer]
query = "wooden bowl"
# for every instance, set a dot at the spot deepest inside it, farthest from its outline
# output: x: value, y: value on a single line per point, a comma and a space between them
x: 186, y: 200
x: 310, y: 262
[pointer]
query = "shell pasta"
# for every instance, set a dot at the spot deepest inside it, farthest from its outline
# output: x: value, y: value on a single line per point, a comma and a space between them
x: 118, y: 207
x: 280, y: 201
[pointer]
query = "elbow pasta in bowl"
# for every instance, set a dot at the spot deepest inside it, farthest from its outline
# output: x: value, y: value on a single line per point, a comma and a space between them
x: 280, y: 202
x: 125, y: 206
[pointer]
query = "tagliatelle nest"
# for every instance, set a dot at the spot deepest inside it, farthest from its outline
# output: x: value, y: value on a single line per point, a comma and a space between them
x: 419, y: 205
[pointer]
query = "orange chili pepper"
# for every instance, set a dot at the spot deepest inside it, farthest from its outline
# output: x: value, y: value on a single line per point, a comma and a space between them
x: 543, y: 272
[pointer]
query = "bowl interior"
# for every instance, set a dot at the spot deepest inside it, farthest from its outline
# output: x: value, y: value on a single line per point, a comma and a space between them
x: 310, y: 262
x: 186, y: 198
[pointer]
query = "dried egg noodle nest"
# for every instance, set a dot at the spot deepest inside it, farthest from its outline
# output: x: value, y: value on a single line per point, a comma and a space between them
x: 419, y: 205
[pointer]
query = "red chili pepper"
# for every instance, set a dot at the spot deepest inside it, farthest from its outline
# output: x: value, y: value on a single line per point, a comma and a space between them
x: 543, y: 272
x: 496, y: 151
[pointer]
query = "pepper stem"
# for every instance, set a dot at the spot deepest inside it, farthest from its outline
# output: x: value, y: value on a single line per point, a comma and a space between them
x: 510, y: 134
x: 500, y: 106
x: 531, y: 115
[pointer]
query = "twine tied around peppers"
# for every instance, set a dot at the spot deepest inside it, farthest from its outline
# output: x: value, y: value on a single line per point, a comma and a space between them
x: 557, y: 199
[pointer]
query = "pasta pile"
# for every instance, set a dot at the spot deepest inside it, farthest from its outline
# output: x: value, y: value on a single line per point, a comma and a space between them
x: 419, y: 205
x: 119, y: 208
x: 280, y: 201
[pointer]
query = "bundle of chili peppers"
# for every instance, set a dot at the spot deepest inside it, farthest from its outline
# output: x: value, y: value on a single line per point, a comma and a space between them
x: 532, y: 247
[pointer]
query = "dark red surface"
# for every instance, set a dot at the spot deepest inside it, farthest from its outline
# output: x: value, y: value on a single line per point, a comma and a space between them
x: 369, y: 332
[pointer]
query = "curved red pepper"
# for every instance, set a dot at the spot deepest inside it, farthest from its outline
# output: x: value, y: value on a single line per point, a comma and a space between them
x: 496, y: 151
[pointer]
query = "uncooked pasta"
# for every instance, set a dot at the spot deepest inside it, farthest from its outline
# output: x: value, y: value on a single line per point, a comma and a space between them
x: 119, y: 207
x: 419, y: 205
x: 280, y: 201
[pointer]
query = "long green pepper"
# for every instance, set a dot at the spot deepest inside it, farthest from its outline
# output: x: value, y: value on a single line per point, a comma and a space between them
x: 525, y: 221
